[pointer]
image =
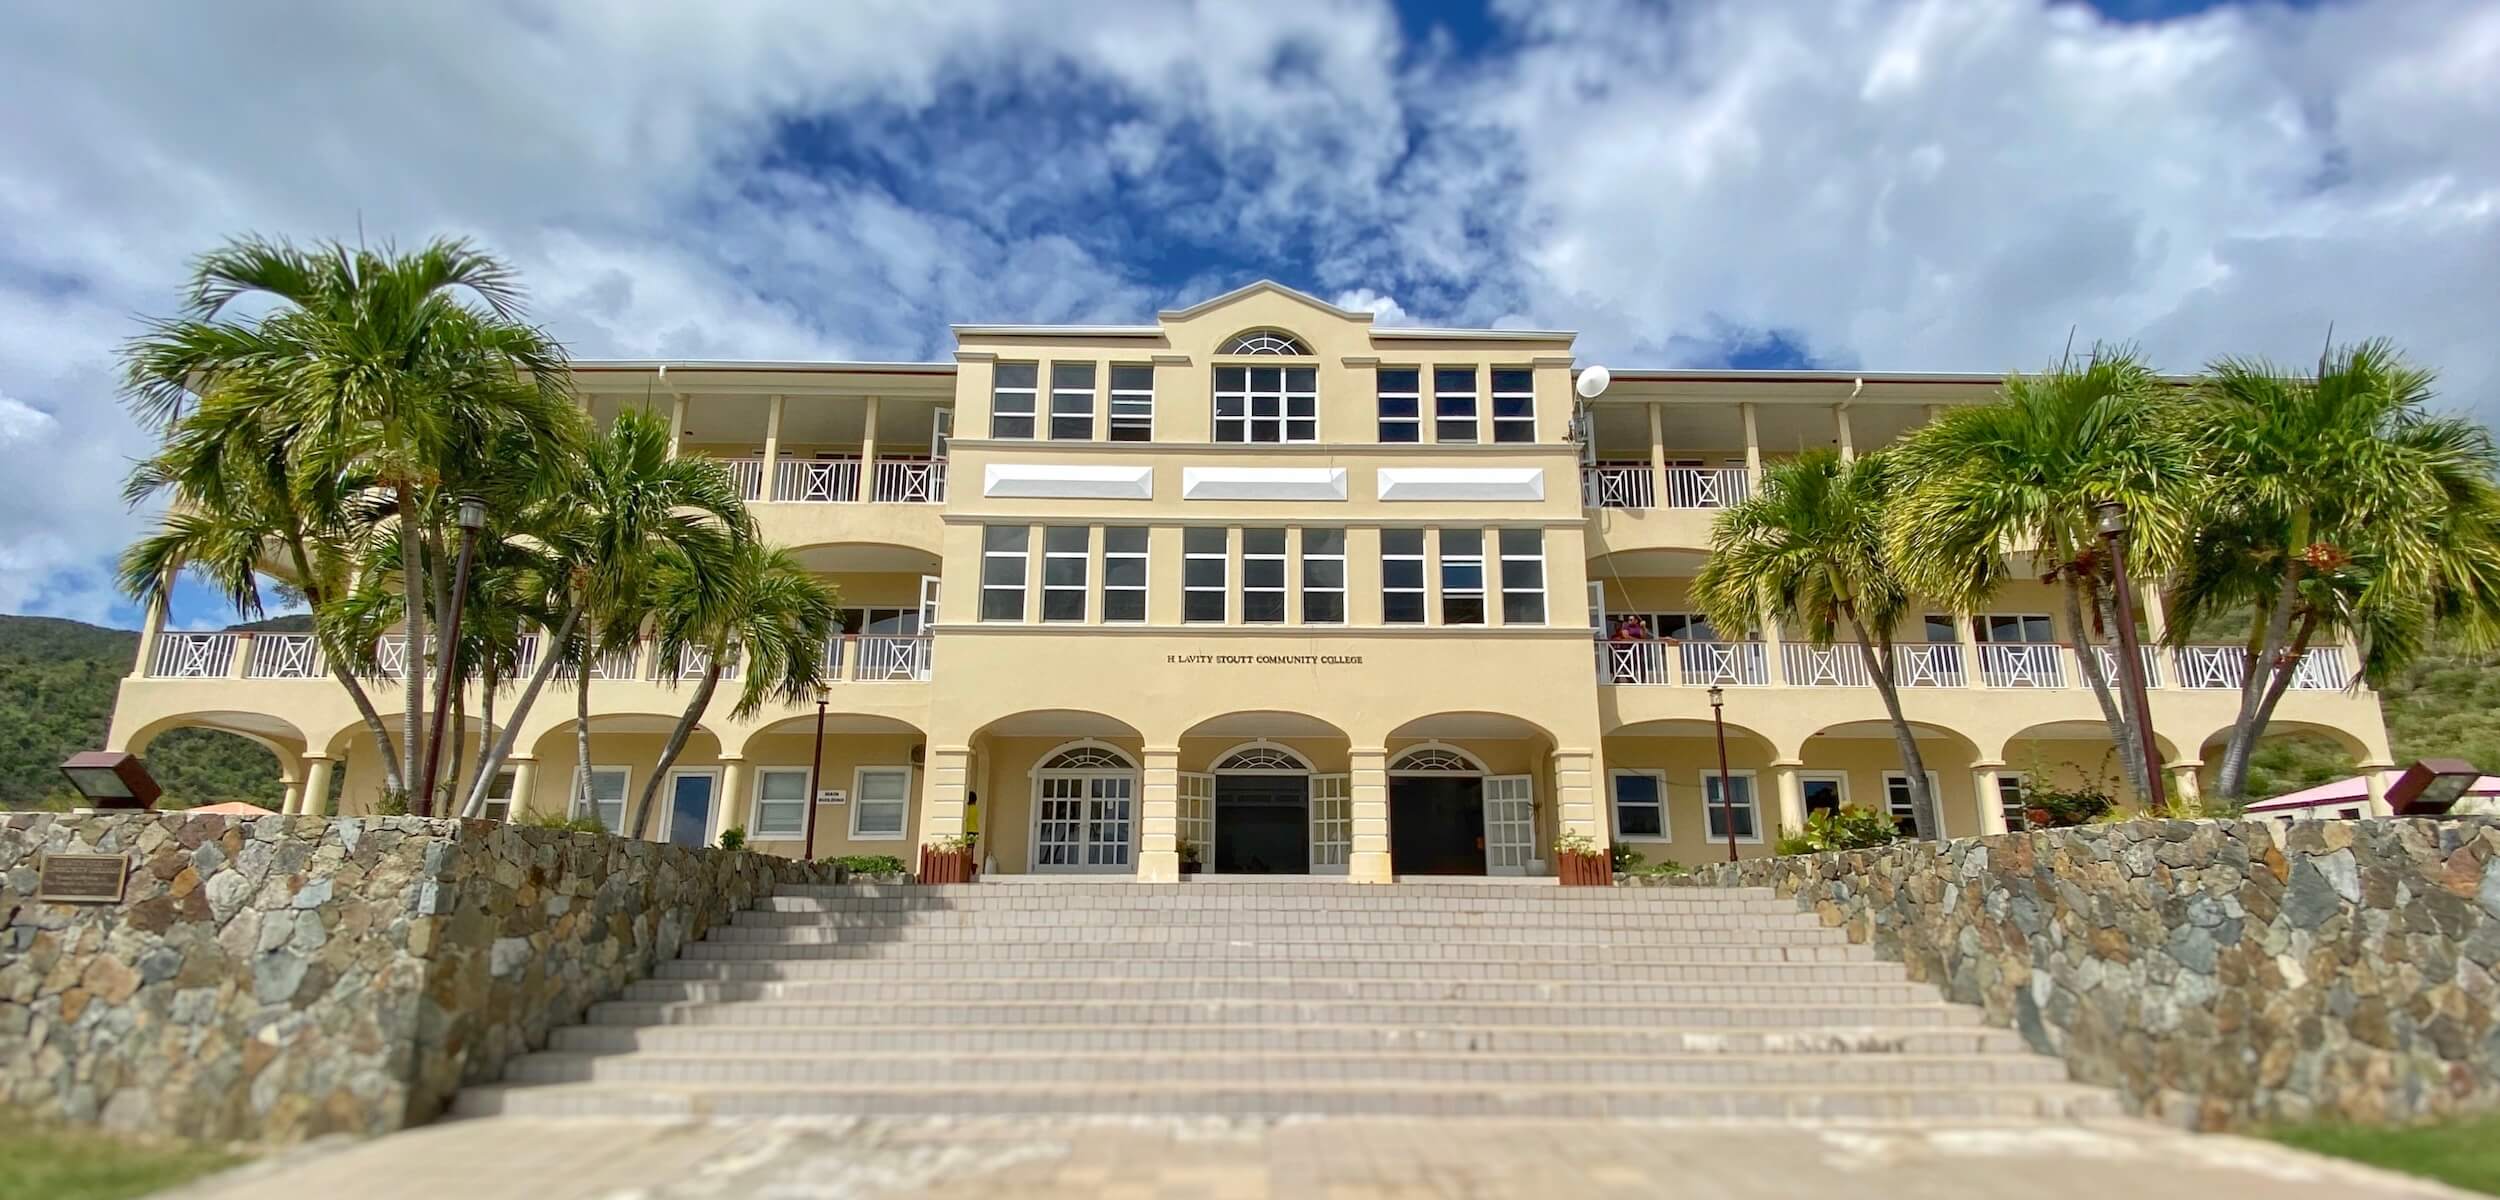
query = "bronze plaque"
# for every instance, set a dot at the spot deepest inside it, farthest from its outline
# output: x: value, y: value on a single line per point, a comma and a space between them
x: 82, y: 878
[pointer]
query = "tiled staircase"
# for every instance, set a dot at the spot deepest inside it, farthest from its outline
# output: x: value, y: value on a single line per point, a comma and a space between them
x: 1254, y: 999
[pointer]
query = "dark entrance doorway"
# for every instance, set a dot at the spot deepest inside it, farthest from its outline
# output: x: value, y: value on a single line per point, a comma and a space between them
x: 1262, y: 824
x: 1436, y: 825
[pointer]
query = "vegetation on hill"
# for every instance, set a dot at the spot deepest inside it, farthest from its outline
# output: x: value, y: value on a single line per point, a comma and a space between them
x: 58, y: 680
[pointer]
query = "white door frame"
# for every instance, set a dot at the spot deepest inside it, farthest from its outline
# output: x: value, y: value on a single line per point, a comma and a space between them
x: 711, y: 817
x: 1084, y: 778
x: 1509, y: 814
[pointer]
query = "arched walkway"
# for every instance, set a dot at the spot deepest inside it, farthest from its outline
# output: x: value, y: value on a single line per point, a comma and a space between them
x: 1470, y: 793
x: 1058, y: 791
x: 876, y: 764
x: 625, y: 747
x: 1265, y: 792
x: 1666, y: 799
x: 1858, y: 764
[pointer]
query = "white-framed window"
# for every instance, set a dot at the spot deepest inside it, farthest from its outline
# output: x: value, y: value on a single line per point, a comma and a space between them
x: 1640, y: 805
x: 1323, y: 576
x: 1266, y: 404
x: 1124, y: 572
x: 1263, y: 576
x: 1897, y: 800
x: 780, y: 804
x: 498, y: 806
x: 1454, y: 404
x: 2010, y: 787
x: 1265, y: 343
x: 1203, y: 553
x: 1402, y: 576
x: 880, y: 798
x: 608, y: 786
x: 1747, y: 810
x: 1064, y: 551
x: 1462, y: 577
x: 1071, y: 402
x: 1523, y: 576
x: 1003, y: 552
x: 1940, y: 627
x: 1401, y: 398
x: 2023, y: 628
x: 1514, y: 405
x: 1012, y: 394
x: 1824, y: 791
x: 1132, y: 402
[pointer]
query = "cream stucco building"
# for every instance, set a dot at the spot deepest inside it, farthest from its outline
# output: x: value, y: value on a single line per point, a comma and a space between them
x: 1314, y: 594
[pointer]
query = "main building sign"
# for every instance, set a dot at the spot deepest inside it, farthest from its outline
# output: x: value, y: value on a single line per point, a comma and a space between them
x: 1264, y: 660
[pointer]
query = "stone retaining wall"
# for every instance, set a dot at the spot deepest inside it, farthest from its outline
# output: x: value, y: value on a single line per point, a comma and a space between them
x: 274, y: 978
x: 2218, y: 973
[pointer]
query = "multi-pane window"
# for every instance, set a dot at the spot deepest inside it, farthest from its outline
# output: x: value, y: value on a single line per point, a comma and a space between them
x: 1462, y: 577
x: 2033, y: 628
x: 607, y: 797
x: 498, y: 796
x: 1202, y: 575
x: 1063, y: 572
x: 780, y: 804
x: 1514, y: 406
x: 1523, y: 576
x: 1718, y: 809
x: 1071, y: 402
x: 1132, y: 403
x: 1640, y: 804
x: 1940, y: 628
x: 1454, y: 404
x: 1266, y: 404
x: 1124, y: 573
x: 1402, y: 576
x: 877, y: 812
x: 1263, y: 576
x: 1003, y: 550
x: 1323, y: 576
x: 2010, y: 785
x: 1897, y: 802
x: 1401, y: 414
x: 1011, y: 400
x: 1824, y: 793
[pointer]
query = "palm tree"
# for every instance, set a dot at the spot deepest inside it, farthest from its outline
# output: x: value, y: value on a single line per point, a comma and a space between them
x: 760, y: 605
x: 600, y: 541
x: 2336, y: 505
x: 2021, y: 476
x: 391, y: 368
x: 1808, y: 550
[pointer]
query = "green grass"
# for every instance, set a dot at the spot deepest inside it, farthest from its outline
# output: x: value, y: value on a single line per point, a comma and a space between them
x: 40, y: 1163
x: 2464, y: 1152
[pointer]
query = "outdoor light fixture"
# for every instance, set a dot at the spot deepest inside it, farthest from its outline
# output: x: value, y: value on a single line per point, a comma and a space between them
x: 2112, y: 516
x: 472, y: 513
x: 1727, y: 799
x: 815, y: 767
x: 2428, y: 788
x: 112, y: 779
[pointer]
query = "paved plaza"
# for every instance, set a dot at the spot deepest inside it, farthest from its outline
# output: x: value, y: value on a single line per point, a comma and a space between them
x: 1334, y: 1159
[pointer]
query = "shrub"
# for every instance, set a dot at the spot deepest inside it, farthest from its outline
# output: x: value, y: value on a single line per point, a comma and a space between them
x: 869, y: 864
x: 733, y: 838
x: 391, y: 804
x: 1574, y: 842
x: 1849, y: 827
x: 1660, y: 869
x: 1627, y: 859
x: 556, y: 820
x: 2064, y: 807
x: 953, y: 843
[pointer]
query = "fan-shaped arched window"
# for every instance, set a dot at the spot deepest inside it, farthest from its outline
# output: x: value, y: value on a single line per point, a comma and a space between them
x: 1087, y: 758
x: 1436, y: 760
x: 1262, y: 758
x: 1266, y: 343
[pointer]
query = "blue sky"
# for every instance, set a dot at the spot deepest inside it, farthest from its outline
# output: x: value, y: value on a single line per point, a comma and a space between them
x: 1911, y: 185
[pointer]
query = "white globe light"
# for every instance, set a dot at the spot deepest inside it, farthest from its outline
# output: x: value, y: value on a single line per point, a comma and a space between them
x: 1593, y: 382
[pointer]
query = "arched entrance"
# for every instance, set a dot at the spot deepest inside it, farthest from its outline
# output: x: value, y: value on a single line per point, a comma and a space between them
x: 1261, y: 823
x: 1085, y: 810
x: 1438, y: 820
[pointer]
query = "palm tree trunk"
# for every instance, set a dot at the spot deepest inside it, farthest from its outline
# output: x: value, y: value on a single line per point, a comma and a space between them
x: 453, y: 733
x: 2242, y: 746
x: 1924, y: 815
x: 411, y: 646
x: 2105, y: 602
x: 582, y: 801
x: 2255, y: 678
x: 485, y: 730
x: 677, y: 742
x: 2121, y: 730
x: 440, y: 579
x: 328, y: 648
x: 551, y: 652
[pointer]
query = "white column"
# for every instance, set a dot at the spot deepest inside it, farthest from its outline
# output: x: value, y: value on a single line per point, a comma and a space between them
x: 2374, y: 774
x: 316, y: 793
x: 1963, y: 636
x: 149, y: 628
x: 735, y: 796
x: 1753, y: 448
x: 1984, y: 784
x: 1159, y: 817
x: 1792, y: 796
x: 293, y: 803
x: 868, y: 453
x: 524, y: 784
x: 772, y: 448
x: 1369, y: 862
x: 941, y: 798
x: 676, y: 424
x: 2185, y: 787
x: 1578, y: 804
x: 241, y: 667
x: 1657, y: 454
x: 1848, y: 445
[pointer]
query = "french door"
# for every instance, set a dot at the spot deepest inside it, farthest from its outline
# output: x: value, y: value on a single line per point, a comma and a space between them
x: 1509, y: 824
x: 1332, y: 823
x: 1084, y: 821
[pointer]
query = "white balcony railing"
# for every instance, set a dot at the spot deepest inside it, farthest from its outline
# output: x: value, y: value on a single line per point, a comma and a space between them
x: 1627, y: 486
x: 1636, y: 662
x: 390, y: 656
x: 692, y: 661
x: 748, y: 473
x: 891, y: 659
x: 910, y: 481
x: 2226, y: 668
x: 2108, y: 660
x: 817, y: 481
x: 1837, y: 665
x: 2022, y: 664
x: 615, y: 662
x: 285, y: 656
x: 1928, y: 664
x: 1706, y: 487
x: 831, y: 660
x: 194, y: 655
x: 1742, y: 664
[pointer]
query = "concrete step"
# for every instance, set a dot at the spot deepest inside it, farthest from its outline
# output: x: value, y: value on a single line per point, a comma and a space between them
x: 790, y: 913
x: 1184, y: 1013
x: 1560, y: 959
x: 1806, y: 984
x: 1714, y: 965
x: 1273, y: 1099
x: 1761, y: 932
x: 1504, y: 907
x: 1288, y: 1038
x: 1121, y: 892
x: 1205, y: 1066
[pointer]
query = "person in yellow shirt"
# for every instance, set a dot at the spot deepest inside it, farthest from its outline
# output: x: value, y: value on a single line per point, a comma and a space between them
x: 972, y: 826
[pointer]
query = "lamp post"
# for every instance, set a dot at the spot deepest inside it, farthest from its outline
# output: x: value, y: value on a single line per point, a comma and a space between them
x: 1727, y: 799
x: 815, y: 767
x: 472, y: 516
x: 2113, y: 526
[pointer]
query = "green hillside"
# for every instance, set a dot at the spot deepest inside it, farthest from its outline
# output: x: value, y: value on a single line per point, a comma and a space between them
x: 57, y: 684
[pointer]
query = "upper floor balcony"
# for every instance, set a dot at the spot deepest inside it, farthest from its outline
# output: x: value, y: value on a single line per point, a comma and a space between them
x: 857, y: 657
x: 2018, y: 665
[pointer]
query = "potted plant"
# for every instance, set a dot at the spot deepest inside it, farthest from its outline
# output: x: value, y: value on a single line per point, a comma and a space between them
x: 1192, y: 858
x: 947, y: 859
x: 1580, y: 863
